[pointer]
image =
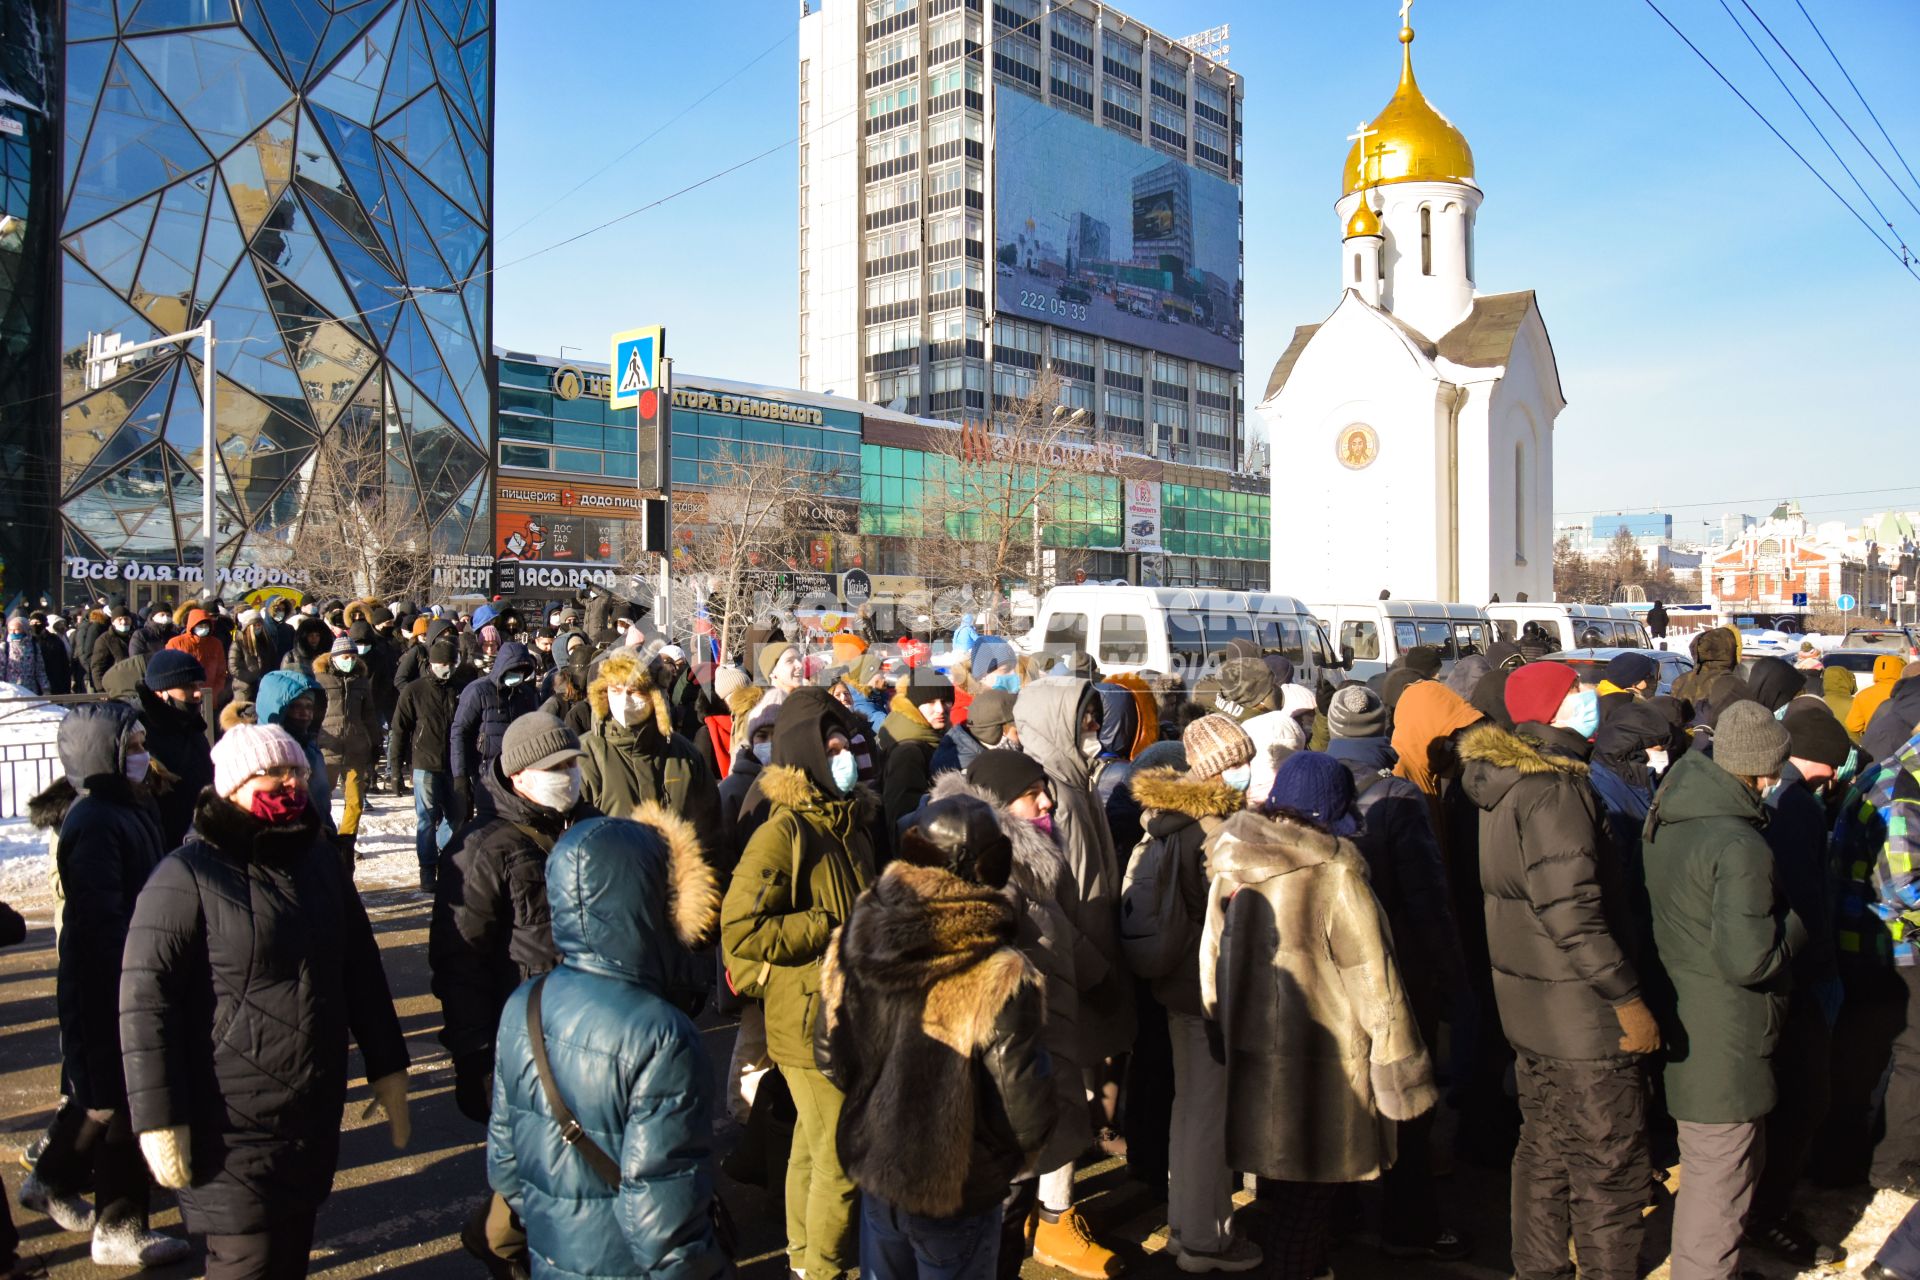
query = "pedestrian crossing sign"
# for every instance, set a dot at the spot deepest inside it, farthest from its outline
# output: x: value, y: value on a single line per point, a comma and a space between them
x: 635, y: 365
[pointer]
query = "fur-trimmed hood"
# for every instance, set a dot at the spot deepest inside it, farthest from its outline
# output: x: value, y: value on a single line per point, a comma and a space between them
x: 1169, y: 790
x: 49, y: 809
x: 624, y: 667
x: 783, y: 784
x: 1039, y: 871
x: 1252, y: 847
x: 1494, y: 760
x: 623, y: 892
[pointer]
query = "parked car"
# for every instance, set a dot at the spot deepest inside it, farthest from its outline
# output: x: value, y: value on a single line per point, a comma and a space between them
x: 1858, y: 661
x: 1900, y: 640
x: 1590, y: 663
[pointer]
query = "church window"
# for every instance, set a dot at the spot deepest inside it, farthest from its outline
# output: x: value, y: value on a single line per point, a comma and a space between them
x: 1426, y: 240
x: 1467, y: 224
x: 1520, y: 502
x: 1356, y: 268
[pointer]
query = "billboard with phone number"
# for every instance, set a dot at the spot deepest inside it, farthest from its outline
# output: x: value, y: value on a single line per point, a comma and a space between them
x: 1097, y: 232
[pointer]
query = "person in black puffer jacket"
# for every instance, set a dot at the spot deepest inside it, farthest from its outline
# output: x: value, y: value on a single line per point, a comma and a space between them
x: 932, y: 1025
x: 172, y: 696
x: 487, y: 706
x: 417, y: 750
x: 110, y: 646
x: 492, y: 930
x: 249, y: 963
x: 153, y: 637
x: 1558, y: 929
x: 110, y: 842
x: 312, y: 639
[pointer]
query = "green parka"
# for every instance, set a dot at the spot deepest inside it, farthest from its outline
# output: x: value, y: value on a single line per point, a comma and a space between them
x: 622, y: 767
x: 1726, y: 938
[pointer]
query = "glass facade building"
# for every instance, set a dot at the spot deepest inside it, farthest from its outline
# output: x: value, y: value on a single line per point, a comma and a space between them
x: 317, y: 180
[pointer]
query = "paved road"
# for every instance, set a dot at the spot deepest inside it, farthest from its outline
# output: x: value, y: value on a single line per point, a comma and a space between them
x: 398, y: 1213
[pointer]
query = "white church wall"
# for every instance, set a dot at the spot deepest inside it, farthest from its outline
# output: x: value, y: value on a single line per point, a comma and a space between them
x: 1431, y: 303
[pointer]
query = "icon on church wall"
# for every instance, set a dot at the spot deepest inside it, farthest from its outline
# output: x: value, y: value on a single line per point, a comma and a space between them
x: 1358, y: 446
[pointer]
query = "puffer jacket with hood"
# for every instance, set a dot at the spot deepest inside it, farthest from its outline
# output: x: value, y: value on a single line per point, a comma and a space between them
x: 932, y: 1026
x: 1297, y: 968
x: 110, y: 841
x: 350, y: 729
x: 1726, y: 941
x: 277, y: 689
x: 211, y: 653
x: 1048, y: 714
x: 1113, y: 767
x: 625, y: 896
x: 177, y: 739
x: 254, y: 654
x: 1886, y: 673
x: 623, y: 766
x: 249, y: 964
x: 487, y: 707
x: 311, y: 639
x: 1557, y: 906
x: 109, y: 647
x: 150, y: 639
x: 1715, y: 653
x: 1838, y: 687
x: 1897, y: 720
x: 1043, y: 892
x: 1182, y: 811
x: 799, y: 874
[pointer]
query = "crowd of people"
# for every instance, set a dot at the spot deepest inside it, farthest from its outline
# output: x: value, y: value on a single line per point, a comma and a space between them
x: 983, y: 916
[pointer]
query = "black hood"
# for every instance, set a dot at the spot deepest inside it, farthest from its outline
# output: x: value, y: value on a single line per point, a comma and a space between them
x: 1774, y: 682
x: 800, y: 734
x: 92, y: 740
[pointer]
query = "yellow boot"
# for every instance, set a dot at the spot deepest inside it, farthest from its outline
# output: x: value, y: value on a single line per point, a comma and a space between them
x: 1068, y: 1244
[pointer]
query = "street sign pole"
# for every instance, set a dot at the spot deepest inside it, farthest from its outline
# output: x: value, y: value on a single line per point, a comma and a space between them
x: 663, y: 448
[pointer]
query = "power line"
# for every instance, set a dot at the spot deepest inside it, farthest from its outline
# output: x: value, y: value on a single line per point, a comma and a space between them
x: 1871, y: 114
x: 1905, y: 265
x: 1808, y: 117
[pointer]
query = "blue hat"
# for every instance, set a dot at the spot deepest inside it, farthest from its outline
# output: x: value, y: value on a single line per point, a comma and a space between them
x: 1317, y: 786
x: 1629, y: 669
x: 172, y: 669
x: 990, y: 652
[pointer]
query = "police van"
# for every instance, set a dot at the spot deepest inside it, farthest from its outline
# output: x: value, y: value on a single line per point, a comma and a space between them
x: 1176, y: 630
x: 1378, y: 633
x: 1574, y: 626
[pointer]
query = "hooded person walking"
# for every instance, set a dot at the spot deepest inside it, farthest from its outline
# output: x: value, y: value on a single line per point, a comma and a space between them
x: 249, y: 963
x: 797, y: 880
x: 620, y: 1182
x: 1838, y: 687
x: 1886, y: 673
x: 1715, y: 653
x: 349, y: 734
x: 633, y: 756
x: 480, y: 719
x: 933, y: 1024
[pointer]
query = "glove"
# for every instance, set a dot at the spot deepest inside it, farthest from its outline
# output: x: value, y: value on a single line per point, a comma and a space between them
x: 462, y: 801
x: 1639, y: 1032
x: 167, y: 1153
x: 390, y: 1096
x: 473, y: 1086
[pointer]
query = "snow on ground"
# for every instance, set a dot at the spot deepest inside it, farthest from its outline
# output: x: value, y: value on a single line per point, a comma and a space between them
x: 385, y: 848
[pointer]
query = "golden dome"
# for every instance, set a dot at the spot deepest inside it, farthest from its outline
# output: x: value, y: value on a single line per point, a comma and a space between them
x: 1408, y: 141
x: 1364, y: 222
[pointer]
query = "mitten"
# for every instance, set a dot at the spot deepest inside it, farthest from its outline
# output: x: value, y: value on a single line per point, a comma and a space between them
x: 1639, y: 1032
x: 167, y: 1152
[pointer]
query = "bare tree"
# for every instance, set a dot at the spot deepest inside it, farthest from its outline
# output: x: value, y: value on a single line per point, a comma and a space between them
x: 358, y: 536
x: 1572, y: 575
x: 992, y: 495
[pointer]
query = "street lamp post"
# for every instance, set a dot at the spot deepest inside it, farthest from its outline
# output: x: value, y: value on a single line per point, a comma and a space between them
x: 105, y: 351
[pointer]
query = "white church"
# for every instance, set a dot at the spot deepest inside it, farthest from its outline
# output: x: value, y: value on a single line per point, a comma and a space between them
x: 1412, y: 430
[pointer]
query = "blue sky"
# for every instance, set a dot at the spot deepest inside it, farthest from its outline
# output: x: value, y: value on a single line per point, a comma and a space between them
x: 1727, y: 334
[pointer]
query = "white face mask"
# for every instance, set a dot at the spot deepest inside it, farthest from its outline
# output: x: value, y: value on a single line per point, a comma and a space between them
x: 137, y: 764
x: 343, y: 665
x: 763, y: 752
x: 441, y: 670
x: 1089, y: 745
x: 1656, y: 760
x: 625, y: 708
x: 555, y: 789
x: 162, y: 619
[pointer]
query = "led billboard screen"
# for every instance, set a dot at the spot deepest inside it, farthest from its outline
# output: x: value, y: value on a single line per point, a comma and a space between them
x: 1103, y: 234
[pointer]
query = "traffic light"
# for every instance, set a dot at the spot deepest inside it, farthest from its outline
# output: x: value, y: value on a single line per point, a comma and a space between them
x: 654, y: 448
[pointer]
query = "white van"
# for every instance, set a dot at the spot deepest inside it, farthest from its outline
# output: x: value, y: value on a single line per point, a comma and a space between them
x: 1379, y: 632
x: 1574, y: 626
x: 1177, y: 630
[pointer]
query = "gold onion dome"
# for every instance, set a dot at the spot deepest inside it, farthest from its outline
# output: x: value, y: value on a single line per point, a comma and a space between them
x: 1364, y: 222
x: 1408, y: 141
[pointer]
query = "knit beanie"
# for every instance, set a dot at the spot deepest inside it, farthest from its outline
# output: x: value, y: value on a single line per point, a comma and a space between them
x: 1214, y: 744
x: 989, y: 653
x: 727, y: 679
x: 989, y: 715
x: 443, y: 651
x: 537, y: 741
x: 1005, y: 774
x: 1629, y: 669
x: 1356, y: 712
x: 769, y: 657
x: 926, y: 684
x: 246, y: 750
x: 1535, y: 691
x: 173, y: 669
x: 1816, y: 735
x: 1168, y: 753
x: 1316, y: 786
x: 1423, y: 658
x: 1749, y: 742
x: 341, y: 644
x: 420, y: 625
x: 765, y: 713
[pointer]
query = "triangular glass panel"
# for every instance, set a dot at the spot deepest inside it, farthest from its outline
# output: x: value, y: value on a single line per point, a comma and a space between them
x: 218, y: 254
x: 88, y: 306
x: 430, y: 438
x: 138, y: 144
x: 164, y: 291
x: 352, y: 87
x: 111, y: 247
x: 423, y: 135
x: 329, y: 360
x: 477, y: 293
x: 133, y: 405
x: 253, y: 17
x: 287, y: 243
x: 165, y: 15
x: 348, y: 24
x: 89, y: 20
x: 376, y: 290
x: 478, y: 14
x: 413, y: 352
x: 447, y: 15
x: 475, y: 53
x: 216, y: 79
x: 412, y: 69
x: 418, y: 253
x: 299, y: 26
x: 86, y: 69
x: 249, y: 348
x: 457, y: 239
x: 467, y: 505
x: 447, y: 69
x: 127, y: 512
x: 356, y: 199
x: 479, y: 162
x: 188, y: 487
x: 445, y: 488
x: 459, y: 353
x: 259, y: 170
x: 184, y: 426
x: 275, y: 520
x: 73, y: 545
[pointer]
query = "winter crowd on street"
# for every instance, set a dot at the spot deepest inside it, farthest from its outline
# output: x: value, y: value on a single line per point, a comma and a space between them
x: 982, y: 916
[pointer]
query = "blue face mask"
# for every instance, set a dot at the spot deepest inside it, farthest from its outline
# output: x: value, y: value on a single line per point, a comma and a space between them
x: 1582, y: 713
x: 846, y: 771
x: 1240, y: 777
x: 1005, y: 682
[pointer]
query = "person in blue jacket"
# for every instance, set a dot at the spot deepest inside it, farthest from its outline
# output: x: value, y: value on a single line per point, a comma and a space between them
x: 487, y: 706
x: 626, y: 897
